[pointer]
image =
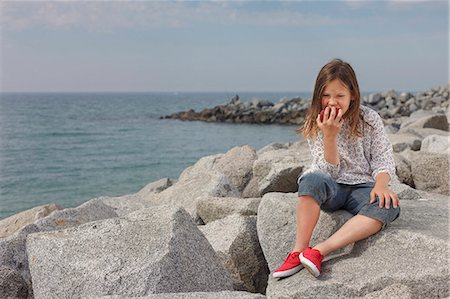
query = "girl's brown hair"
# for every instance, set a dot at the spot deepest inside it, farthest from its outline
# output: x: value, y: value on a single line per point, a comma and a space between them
x: 342, y: 71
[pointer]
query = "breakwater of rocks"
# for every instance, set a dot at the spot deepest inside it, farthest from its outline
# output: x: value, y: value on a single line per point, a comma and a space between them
x: 389, y: 104
x: 286, y: 111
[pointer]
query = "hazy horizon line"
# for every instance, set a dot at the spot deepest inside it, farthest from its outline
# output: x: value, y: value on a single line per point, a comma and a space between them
x: 204, y: 91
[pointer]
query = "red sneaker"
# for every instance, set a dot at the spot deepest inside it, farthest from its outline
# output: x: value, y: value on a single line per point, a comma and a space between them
x: 290, y: 266
x: 311, y: 259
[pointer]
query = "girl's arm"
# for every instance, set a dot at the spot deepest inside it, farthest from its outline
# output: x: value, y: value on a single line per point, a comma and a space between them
x: 381, y: 153
x: 316, y: 147
x: 324, y: 147
x: 383, y: 166
x: 330, y: 151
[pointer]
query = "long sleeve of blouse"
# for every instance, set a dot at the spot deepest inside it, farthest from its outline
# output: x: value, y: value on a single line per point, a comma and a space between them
x: 360, y: 159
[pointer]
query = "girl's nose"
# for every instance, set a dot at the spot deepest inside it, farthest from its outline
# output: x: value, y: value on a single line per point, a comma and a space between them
x: 332, y: 101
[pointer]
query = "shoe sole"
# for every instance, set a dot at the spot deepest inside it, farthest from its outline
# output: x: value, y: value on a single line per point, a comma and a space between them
x: 282, y: 274
x: 309, y: 266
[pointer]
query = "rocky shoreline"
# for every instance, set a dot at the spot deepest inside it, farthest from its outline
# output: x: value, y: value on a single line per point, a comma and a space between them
x: 389, y: 104
x: 228, y: 221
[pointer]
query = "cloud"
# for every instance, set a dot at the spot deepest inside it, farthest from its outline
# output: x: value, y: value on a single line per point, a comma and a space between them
x: 403, y: 5
x: 112, y: 15
x: 396, y: 5
x: 91, y: 15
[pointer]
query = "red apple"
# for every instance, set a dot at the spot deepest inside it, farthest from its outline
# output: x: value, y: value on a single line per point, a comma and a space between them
x: 323, y: 112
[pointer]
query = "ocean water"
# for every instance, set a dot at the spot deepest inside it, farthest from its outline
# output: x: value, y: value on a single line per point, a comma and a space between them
x: 67, y: 148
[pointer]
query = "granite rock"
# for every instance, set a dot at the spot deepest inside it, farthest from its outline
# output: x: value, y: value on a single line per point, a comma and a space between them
x: 404, y: 191
x: 12, y: 285
x: 403, y: 169
x: 278, y: 170
x: 435, y: 121
x: 383, y: 262
x: 215, y: 208
x: 195, y: 295
x: 13, y: 249
x: 92, y: 210
x: 154, y: 250
x: 424, y: 132
x: 237, y: 165
x: 235, y: 241
x: 194, y: 183
x: 436, y: 144
x: 10, y: 225
x: 430, y: 172
x: 156, y: 187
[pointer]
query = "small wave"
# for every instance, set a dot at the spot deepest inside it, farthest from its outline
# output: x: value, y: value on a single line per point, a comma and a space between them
x: 69, y: 134
x: 124, y: 119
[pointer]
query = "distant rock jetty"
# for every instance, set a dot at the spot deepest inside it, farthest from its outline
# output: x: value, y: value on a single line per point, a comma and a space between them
x: 390, y: 104
x: 286, y: 111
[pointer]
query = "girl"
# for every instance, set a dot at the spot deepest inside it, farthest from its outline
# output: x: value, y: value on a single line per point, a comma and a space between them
x: 351, y: 169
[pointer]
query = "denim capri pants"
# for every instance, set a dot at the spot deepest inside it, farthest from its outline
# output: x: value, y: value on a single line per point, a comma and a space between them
x: 332, y: 196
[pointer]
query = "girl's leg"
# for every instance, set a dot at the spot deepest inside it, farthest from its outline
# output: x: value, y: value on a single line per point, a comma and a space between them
x: 307, y: 214
x: 356, y: 228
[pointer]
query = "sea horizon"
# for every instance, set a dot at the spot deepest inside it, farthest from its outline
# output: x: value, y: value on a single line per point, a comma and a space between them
x: 196, y: 92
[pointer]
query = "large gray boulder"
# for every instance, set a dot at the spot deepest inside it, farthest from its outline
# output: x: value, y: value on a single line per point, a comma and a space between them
x: 277, y: 170
x: 156, y: 186
x: 403, y: 191
x: 237, y: 165
x: 277, y: 227
x: 13, y: 250
x: 10, y: 225
x: 194, y: 183
x: 196, y: 295
x: 142, y: 199
x: 403, y: 169
x: 424, y: 132
x: 386, y: 263
x: 435, y: 121
x: 436, y: 144
x: 271, y: 147
x: 215, y: 208
x: 395, y: 290
x: 92, y: 210
x: 13, y: 256
x: 430, y: 172
x: 123, y: 205
x: 235, y: 241
x: 155, y: 250
x: 12, y: 285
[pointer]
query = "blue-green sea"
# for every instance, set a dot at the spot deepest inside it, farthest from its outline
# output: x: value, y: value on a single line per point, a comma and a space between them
x: 67, y: 148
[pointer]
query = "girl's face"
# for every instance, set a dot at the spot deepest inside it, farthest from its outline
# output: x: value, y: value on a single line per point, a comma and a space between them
x: 337, y: 95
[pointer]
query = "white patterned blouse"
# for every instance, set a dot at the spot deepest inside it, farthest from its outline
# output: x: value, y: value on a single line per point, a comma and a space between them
x: 361, y: 159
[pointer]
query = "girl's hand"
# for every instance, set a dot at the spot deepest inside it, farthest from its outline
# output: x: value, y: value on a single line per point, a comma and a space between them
x: 331, y: 124
x: 385, y: 196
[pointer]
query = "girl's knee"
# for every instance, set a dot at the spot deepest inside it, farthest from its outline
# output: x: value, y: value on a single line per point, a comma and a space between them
x: 386, y: 216
x: 317, y: 185
x: 314, y: 178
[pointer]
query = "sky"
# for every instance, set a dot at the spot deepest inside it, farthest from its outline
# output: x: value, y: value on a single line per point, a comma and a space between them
x: 175, y: 46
